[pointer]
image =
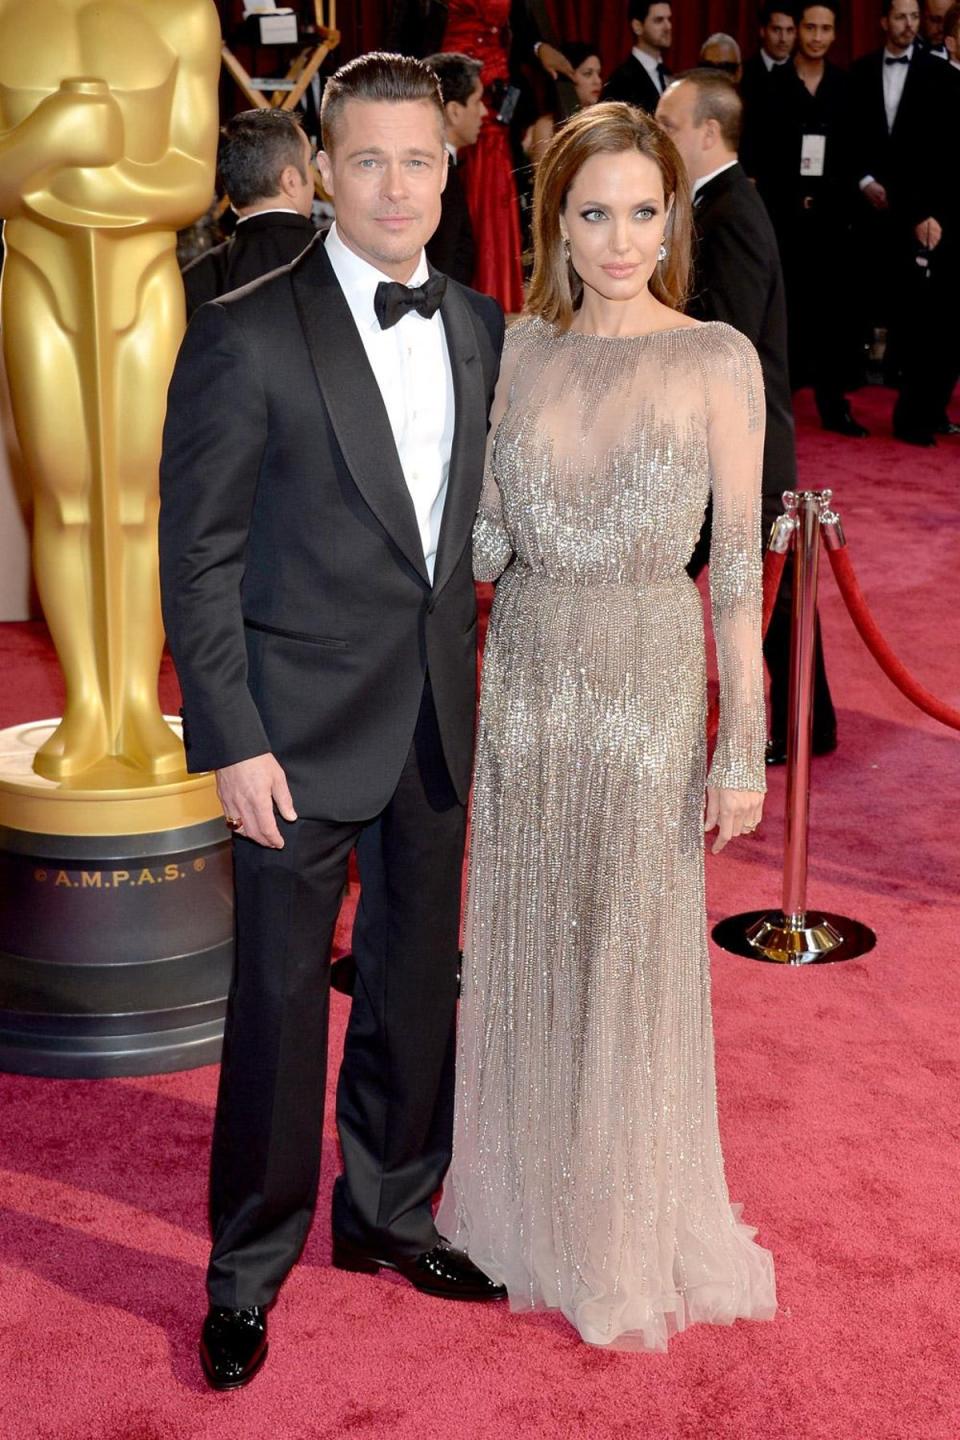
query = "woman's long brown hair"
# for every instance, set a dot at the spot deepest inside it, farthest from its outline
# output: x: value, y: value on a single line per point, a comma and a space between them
x: 610, y: 128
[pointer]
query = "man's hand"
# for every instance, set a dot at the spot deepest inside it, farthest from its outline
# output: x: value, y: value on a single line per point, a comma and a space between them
x: 732, y: 813
x: 928, y: 233
x: 876, y: 195
x: 248, y: 792
x: 554, y: 62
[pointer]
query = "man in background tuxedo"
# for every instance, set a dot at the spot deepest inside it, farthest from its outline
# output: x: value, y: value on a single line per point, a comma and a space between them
x: 452, y: 247
x: 897, y: 104
x: 800, y: 153
x: 266, y: 169
x: 737, y: 279
x: 778, y: 34
x: 932, y: 16
x: 322, y: 464
x: 642, y: 78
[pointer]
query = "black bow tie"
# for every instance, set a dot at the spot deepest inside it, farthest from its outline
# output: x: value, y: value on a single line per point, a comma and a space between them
x: 896, y: 59
x: 392, y: 300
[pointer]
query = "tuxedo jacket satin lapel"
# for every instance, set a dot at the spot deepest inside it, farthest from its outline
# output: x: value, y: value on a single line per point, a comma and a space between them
x: 469, y: 437
x: 354, y: 403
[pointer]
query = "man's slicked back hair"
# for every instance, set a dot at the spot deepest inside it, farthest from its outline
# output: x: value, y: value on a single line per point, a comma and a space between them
x: 378, y: 76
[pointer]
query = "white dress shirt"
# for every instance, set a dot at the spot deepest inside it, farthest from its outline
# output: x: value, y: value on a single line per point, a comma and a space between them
x: 894, y: 79
x: 769, y: 62
x: 650, y: 65
x: 411, y: 365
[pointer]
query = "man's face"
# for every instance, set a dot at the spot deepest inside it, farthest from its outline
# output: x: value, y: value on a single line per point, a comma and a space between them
x: 464, y: 121
x: 933, y: 13
x: 675, y: 112
x: 657, y: 29
x: 386, y: 175
x: 816, y: 32
x: 902, y: 24
x: 778, y: 38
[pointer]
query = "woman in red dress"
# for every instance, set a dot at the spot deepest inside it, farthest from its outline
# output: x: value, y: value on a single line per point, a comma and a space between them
x: 480, y: 29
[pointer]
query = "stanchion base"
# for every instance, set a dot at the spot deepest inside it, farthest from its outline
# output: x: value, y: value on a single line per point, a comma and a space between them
x: 768, y: 935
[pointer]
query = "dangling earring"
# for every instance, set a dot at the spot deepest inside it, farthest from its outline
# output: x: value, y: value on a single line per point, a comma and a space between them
x: 662, y: 255
x: 566, y: 246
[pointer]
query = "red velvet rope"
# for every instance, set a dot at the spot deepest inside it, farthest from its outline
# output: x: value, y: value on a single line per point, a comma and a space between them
x: 773, y: 563
x: 871, y: 636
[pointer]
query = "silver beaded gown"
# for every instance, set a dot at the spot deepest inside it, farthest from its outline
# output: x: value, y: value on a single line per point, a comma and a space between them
x: 587, y: 1173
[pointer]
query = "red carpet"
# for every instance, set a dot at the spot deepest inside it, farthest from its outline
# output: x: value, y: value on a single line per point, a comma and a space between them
x: 839, y: 1104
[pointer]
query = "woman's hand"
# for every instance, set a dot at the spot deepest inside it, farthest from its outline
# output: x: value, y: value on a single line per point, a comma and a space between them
x: 731, y: 813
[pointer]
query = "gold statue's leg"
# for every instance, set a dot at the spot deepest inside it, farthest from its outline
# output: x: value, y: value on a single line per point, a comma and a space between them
x: 144, y: 359
x: 47, y: 393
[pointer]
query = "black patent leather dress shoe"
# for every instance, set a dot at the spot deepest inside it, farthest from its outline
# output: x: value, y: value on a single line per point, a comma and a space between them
x: 843, y: 423
x: 442, y: 1271
x: 233, y: 1346
x: 946, y: 427
x: 923, y: 438
x: 776, y: 750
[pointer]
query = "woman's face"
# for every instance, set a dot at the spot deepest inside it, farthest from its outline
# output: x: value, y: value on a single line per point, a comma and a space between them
x: 614, y: 218
x: 587, y: 81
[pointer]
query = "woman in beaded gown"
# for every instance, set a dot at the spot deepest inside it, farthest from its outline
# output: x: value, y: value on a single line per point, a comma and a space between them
x: 587, y: 1172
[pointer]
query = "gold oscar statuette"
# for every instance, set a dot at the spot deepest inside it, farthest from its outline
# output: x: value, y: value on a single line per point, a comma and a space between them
x: 108, y: 134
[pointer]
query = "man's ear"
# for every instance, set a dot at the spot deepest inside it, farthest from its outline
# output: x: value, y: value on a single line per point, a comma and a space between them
x: 446, y: 169
x: 325, y: 167
x: 636, y: 27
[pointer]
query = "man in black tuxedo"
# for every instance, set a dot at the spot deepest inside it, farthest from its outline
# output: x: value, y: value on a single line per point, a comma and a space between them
x: 800, y: 155
x: 778, y: 34
x: 737, y: 279
x: 642, y: 78
x: 322, y: 464
x: 452, y: 248
x: 896, y: 106
x: 266, y: 169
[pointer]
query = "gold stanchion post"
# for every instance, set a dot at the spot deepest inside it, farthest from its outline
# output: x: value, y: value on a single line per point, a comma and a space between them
x: 793, y: 935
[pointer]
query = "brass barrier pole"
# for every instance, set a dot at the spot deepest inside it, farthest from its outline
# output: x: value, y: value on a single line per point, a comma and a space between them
x: 792, y: 935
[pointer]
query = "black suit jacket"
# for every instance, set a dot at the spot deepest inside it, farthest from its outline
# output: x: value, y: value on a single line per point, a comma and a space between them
x: 785, y: 114
x: 631, y: 82
x: 452, y: 248
x: 737, y: 278
x: 295, y: 595
x: 258, y: 245
x: 897, y: 157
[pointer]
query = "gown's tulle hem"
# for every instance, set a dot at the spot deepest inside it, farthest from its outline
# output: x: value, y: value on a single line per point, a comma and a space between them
x: 633, y: 1321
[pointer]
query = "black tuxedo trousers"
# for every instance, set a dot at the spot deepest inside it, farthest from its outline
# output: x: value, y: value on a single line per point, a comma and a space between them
x: 395, y: 1091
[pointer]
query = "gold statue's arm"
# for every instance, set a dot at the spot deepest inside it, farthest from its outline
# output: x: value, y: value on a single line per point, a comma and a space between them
x: 172, y: 191
x: 80, y: 124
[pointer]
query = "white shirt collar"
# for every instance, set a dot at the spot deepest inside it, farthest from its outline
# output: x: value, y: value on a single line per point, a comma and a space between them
x: 955, y: 64
x: 451, y: 151
x: 769, y: 61
x: 359, y: 279
x: 274, y: 210
x: 904, y: 54
x: 648, y: 63
x: 705, y: 179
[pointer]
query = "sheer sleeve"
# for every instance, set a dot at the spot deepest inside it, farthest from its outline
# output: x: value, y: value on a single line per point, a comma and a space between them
x: 492, y: 546
x: 735, y: 421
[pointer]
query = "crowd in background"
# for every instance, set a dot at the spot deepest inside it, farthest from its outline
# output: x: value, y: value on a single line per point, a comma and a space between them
x: 852, y: 164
